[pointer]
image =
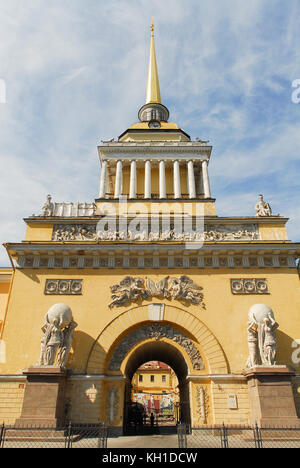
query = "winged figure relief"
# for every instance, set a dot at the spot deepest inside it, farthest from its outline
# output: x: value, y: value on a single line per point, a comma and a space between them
x: 159, y: 289
x: 185, y: 288
x: 133, y: 289
x: 129, y: 290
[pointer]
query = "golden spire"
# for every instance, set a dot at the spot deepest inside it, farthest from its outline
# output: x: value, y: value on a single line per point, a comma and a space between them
x: 153, y: 89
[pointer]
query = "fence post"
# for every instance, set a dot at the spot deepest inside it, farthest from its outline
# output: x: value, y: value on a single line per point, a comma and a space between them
x: 68, y: 439
x: 103, y: 434
x: 2, y: 435
x: 182, y: 438
x: 257, y: 437
x: 224, y: 437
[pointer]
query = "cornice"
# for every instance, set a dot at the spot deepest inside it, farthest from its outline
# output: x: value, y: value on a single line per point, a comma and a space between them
x: 160, y: 245
x: 210, y: 220
x: 110, y: 146
x: 140, y: 150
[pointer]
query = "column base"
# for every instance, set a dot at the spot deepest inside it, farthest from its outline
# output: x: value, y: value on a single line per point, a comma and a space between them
x: 271, y: 396
x: 44, y: 398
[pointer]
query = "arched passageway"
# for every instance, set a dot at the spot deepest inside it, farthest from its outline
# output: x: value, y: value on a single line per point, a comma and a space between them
x: 164, y: 352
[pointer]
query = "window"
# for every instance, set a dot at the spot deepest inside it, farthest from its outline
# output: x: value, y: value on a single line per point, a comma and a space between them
x: 152, y: 378
x: 140, y: 378
x: 164, y: 379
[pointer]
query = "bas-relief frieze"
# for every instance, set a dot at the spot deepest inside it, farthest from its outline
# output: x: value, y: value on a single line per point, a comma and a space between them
x: 112, y: 404
x: 202, y: 403
x: 156, y: 331
x: 132, y: 289
x: 89, y: 232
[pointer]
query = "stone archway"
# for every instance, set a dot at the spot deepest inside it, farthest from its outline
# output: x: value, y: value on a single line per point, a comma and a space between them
x: 118, y: 328
x: 130, y: 321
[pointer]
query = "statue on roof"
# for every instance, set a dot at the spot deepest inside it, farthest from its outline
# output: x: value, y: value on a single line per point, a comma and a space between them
x: 263, y: 208
x: 48, y: 208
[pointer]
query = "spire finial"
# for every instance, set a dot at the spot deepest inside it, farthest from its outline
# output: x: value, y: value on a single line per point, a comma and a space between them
x: 153, y: 89
x: 152, y: 26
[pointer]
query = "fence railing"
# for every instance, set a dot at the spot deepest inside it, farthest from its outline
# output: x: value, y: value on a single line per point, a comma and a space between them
x: 71, y: 436
x: 237, y: 437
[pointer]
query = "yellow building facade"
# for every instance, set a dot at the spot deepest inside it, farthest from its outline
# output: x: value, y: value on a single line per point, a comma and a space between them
x: 155, y: 387
x: 150, y: 272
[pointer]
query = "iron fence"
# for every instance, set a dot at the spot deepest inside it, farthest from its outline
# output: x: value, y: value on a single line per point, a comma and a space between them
x: 237, y: 437
x: 71, y: 436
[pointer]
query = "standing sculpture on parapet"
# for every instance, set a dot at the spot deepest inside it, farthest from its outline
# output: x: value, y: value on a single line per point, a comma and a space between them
x: 58, y: 336
x: 263, y: 208
x: 48, y: 208
x: 261, y: 336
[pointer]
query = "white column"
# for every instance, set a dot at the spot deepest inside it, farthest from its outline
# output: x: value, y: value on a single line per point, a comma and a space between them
x: 177, y: 185
x: 200, y: 181
x: 148, y: 179
x: 119, y: 179
x: 206, y: 184
x: 132, y: 193
x: 162, y: 180
x: 191, y: 180
x: 103, y: 180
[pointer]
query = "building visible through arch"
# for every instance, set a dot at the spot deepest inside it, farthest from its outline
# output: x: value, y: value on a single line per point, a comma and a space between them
x: 148, y: 271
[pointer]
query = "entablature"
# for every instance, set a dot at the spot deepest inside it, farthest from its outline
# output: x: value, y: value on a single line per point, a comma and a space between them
x: 184, y: 151
x: 156, y: 256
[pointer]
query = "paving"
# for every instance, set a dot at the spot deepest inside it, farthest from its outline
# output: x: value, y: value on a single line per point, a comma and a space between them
x: 147, y: 441
x: 158, y: 437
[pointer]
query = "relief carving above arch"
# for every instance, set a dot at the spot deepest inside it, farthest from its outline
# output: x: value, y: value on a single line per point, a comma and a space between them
x: 156, y: 331
x: 133, y: 289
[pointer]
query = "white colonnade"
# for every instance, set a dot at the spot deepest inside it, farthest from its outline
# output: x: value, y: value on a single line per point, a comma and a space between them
x: 177, y: 181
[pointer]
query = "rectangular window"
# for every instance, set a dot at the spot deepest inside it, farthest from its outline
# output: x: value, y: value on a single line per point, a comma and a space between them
x: 164, y: 379
x: 152, y: 378
x: 140, y: 378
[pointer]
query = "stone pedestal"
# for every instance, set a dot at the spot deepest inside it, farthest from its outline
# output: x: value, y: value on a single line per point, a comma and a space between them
x: 44, y: 399
x: 271, y: 396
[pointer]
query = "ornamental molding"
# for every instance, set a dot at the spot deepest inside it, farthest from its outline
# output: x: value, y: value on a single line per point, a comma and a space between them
x: 202, y: 403
x: 63, y: 287
x: 211, y: 233
x: 249, y: 286
x: 132, y: 289
x: 158, y: 332
x: 142, y: 257
x: 110, y: 152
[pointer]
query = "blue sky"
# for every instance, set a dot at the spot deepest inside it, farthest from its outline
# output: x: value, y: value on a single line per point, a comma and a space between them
x: 75, y: 74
